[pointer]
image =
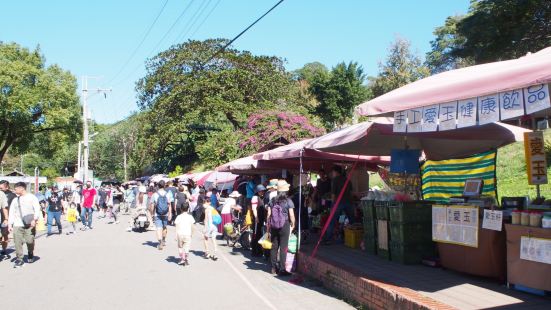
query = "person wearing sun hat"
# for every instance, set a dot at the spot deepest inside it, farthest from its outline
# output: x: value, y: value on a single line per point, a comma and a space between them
x: 272, y: 190
x: 230, y: 204
x: 281, y: 222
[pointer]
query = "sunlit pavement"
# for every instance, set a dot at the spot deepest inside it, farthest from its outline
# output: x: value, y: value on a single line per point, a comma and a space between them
x: 110, y: 268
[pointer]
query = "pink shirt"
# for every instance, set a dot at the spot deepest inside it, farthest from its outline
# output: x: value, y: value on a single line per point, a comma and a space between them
x: 88, y: 196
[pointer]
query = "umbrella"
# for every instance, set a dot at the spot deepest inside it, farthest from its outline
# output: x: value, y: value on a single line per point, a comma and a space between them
x: 377, y: 138
x: 464, y: 83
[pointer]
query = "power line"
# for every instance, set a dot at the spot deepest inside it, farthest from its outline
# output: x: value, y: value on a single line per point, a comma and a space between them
x: 160, y: 41
x: 141, y: 42
x: 242, y: 32
x: 192, y: 21
x: 205, y: 19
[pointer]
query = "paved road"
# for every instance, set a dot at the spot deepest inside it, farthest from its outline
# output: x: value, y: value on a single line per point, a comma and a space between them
x: 109, y: 268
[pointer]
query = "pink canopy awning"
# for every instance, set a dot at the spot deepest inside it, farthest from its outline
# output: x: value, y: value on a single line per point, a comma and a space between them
x: 294, y: 150
x: 464, y: 83
x: 377, y: 138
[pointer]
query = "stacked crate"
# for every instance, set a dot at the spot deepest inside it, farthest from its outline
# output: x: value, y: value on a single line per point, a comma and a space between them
x: 370, y: 226
x: 410, y: 231
x: 382, y: 215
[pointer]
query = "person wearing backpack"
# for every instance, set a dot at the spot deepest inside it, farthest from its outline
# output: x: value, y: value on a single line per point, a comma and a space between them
x: 210, y: 231
x: 160, y: 207
x: 281, y: 222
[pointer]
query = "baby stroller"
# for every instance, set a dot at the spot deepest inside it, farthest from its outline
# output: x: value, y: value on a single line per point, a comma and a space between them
x: 238, y: 233
x: 141, y: 222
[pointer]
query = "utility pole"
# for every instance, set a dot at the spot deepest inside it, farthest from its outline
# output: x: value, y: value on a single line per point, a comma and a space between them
x: 85, y: 118
x: 124, y: 160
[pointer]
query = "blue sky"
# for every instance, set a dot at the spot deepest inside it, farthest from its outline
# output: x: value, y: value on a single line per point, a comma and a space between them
x: 96, y: 38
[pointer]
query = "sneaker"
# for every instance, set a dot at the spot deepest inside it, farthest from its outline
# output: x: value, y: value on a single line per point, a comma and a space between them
x: 129, y: 229
x: 18, y: 264
x: 186, y: 262
x: 90, y: 227
x: 274, y: 271
x: 30, y: 259
x: 214, y: 257
x: 60, y: 232
x: 116, y: 222
x: 160, y: 246
x: 285, y: 273
x: 84, y: 228
x: 181, y: 262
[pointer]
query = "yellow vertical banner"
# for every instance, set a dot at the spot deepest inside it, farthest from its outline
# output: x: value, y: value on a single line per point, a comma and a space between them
x: 536, y: 163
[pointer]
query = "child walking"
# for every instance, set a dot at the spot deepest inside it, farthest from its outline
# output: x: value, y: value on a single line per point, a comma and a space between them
x: 210, y: 231
x: 184, y: 230
x: 72, y: 217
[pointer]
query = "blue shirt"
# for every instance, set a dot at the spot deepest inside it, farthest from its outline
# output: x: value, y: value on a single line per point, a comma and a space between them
x: 250, y: 189
x: 214, y: 201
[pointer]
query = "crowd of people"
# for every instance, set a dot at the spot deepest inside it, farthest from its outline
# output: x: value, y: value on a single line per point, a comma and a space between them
x: 261, y: 207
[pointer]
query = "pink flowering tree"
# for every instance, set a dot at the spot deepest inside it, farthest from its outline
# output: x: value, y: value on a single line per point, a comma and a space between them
x: 268, y: 127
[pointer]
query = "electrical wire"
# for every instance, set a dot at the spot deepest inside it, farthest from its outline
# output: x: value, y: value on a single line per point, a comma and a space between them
x: 205, y: 19
x: 158, y: 43
x: 242, y: 32
x: 140, y: 44
x: 192, y: 21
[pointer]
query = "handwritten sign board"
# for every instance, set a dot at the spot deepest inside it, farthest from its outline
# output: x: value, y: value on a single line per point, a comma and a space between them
x: 474, y: 111
x: 535, y: 249
x: 493, y: 220
x: 536, y: 162
x: 455, y: 224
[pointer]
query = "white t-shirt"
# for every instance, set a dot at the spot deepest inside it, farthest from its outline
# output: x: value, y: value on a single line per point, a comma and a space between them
x: 29, y: 205
x: 228, y: 204
x: 184, y: 223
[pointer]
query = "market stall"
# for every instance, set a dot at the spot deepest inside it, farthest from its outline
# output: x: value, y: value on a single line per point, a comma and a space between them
x: 391, y: 228
x: 470, y: 98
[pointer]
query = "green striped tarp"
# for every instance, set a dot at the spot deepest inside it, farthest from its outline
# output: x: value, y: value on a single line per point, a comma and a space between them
x: 443, y: 179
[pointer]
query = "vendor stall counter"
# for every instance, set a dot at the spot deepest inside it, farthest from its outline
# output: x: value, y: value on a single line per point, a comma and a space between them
x: 529, y: 256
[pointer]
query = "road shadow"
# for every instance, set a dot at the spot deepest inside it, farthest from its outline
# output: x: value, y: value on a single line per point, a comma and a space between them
x: 197, y: 253
x: 151, y: 244
x: 173, y: 259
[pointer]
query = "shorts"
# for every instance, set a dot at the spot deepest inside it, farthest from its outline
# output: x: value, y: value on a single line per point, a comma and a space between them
x: 161, y: 221
x: 212, y: 232
x: 4, y: 231
x: 184, y: 242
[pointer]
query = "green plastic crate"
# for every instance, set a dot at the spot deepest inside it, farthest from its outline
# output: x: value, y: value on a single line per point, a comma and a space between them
x: 368, y: 210
x: 410, y: 254
x: 410, y: 212
x: 370, y: 226
x: 370, y: 243
x: 381, y: 210
x: 411, y: 232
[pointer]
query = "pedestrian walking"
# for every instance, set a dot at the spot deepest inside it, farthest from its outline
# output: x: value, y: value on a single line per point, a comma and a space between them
x: 103, y: 194
x: 160, y: 204
x: 25, y: 211
x: 281, y: 222
x: 210, y: 231
x: 184, y: 231
x: 72, y: 217
x: 54, y: 210
x: 115, y: 199
x: 230, y: 204
x: 259, y: 213
x: 88, y: 198
x: 4, y: 214
x: 182, y: 199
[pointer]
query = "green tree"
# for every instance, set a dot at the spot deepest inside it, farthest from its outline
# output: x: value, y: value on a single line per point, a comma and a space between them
x: 400, y: 68
x: 338, y: 92
x: 190, y: 97
x: 440, y: 57
x: 39, y: 104
x: 492, y: 30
